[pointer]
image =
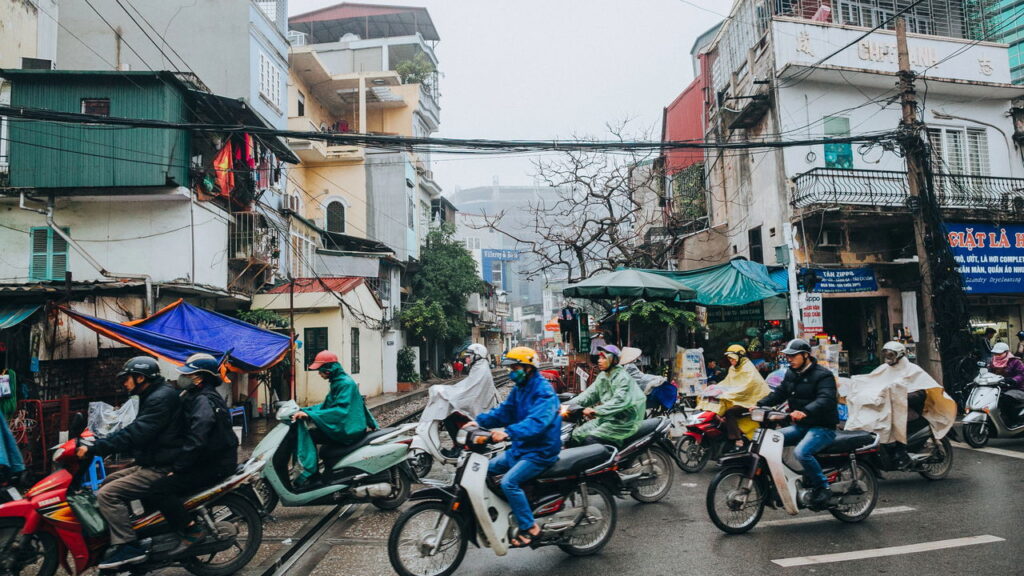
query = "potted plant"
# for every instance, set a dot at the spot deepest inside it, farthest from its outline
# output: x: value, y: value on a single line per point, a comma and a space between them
x: 408, y: 377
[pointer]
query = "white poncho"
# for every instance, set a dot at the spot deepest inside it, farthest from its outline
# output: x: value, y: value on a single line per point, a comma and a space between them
x: 473, y: 395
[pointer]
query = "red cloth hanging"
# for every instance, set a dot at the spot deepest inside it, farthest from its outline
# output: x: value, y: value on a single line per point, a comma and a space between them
x: 223, y: 169
x: 250, y: 156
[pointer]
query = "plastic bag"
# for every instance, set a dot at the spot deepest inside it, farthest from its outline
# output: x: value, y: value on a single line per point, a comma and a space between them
x: 83, y: 504
x: 104, y: 419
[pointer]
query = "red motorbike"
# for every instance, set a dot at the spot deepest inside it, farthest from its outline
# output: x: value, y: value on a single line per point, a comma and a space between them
x: 38, y: 529
x: 705, y: 437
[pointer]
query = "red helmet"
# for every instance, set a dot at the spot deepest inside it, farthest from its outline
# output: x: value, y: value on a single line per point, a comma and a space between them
x: 324, y: 357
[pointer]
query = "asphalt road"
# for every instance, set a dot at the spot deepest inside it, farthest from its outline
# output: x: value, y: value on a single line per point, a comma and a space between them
x: 970, y: 523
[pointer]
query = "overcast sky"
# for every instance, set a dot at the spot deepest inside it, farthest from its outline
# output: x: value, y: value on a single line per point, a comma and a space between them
x: 542, y: 69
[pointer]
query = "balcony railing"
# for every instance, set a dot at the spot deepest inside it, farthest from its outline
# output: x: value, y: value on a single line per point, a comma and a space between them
x: 881, y: 188
x: 253, y: 251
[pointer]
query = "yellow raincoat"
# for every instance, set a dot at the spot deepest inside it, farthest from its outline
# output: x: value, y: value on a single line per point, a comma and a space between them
x: 743, y: 386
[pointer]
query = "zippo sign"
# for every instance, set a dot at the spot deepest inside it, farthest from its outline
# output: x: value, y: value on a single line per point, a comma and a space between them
x: 811, y: 312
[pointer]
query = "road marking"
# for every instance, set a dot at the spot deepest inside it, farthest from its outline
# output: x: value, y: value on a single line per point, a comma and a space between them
x: 824, y: 517
x: 890, y: 551
x: 996, y: 451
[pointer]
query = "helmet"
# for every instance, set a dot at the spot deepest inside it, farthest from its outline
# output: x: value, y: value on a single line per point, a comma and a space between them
x: 630, y: 355
x: 201, y: 364
x: 323, y: 357
x: 736, y: 351
x: 1020, y: 335
x: 477, y: 350
x: 1000, y: 348
x: 610, y: 349
x: 144, y: 366
x: 521, y: 355
x: 893, y: 351
x: 796, y: 346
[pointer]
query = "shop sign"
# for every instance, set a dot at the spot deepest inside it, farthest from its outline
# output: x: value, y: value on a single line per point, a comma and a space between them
x: 990, y: 258
x: 752, y: 312
x: 842, y: 280
x: 702, y: 316
x: 811, y: 312
x: 501, y: 255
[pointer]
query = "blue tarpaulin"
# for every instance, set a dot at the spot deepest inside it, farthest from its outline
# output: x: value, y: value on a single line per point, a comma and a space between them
x: 180, y: 330
x: 13, y: 315
x: 735, y: 283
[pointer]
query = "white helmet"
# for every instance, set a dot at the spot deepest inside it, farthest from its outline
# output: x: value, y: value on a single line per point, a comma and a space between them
x: 893, y: 351
x: 478, y: 350
x: 1000, y: 348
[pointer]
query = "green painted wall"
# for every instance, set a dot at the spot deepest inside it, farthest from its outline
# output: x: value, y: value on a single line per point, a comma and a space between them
x: 51, y: 155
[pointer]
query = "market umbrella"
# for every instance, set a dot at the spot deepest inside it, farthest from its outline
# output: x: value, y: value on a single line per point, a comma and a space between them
x: 630, y: 284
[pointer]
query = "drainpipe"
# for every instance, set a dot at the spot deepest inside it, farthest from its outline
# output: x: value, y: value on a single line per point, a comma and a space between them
x: 48, y: 213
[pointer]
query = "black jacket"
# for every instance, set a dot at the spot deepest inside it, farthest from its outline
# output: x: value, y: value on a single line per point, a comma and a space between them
x: 209, y: 440
x: 154, y: 438
x: 812, y: 391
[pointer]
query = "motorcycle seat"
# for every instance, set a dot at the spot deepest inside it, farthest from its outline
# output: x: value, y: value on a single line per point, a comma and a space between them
x: 575, y: 460
x: 335, y: 452
x: 646, y: 427
x: 848, y: 441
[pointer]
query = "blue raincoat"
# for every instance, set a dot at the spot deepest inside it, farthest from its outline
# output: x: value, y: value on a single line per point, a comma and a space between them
x: 531, y: 420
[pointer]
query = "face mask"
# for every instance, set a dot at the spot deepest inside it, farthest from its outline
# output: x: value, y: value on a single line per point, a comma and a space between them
x: 517, y: 376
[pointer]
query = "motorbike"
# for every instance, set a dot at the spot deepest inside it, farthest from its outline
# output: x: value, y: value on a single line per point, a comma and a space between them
x: 705, y: 438
x: 987, y: 413
x: 645, y: 461
x: 769, y: 475
x: 928, y: 456
x: 426, y: 446
x: 39, y: 529
x: 375, y: 469
x: 572, y: 502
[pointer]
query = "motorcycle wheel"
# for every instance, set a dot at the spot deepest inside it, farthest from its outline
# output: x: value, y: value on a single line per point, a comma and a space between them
x: 45, y: 562
x: 864, y: 505
x: 939, y: 470
x: 976, y: 435
x: 415, y: 530
x: 724, y: 501
x: 402, y: 487
x: 657, y: 466
x: 421, y: 463
x: 240, y: 512
x: 268, y: 497
x: 602, y: 523
x: 693, y: 457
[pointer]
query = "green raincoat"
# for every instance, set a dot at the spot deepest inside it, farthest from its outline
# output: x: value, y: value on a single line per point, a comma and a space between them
x: 342, y: 417
x: 619, y: 404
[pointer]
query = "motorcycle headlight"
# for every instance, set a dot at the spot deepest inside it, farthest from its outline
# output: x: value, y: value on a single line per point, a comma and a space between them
x: 461, y: 436
x: 757, y: 414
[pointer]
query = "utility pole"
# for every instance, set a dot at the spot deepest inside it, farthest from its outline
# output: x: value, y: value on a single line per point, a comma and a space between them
x: 913, y: 151
x: 291, y: 329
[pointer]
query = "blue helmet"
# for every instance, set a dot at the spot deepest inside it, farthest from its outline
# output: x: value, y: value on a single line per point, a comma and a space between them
x: 201, y: 364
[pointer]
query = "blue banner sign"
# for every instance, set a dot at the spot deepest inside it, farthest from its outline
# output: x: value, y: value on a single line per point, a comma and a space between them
x: 840, y: 280
x: 502, y: 255
x: 990, y: 258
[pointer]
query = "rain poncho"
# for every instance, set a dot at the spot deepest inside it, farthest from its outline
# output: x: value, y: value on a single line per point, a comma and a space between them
x: 877, y: 402
x: 10, y: 455
x: 342, y: 417
x: 647, y: 382
x: 619, y: 404
x: 743, y: 386
x: 475, y: 394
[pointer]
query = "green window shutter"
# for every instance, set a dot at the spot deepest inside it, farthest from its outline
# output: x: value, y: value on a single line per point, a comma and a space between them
x: 58, y: 256
x: 40, y: 240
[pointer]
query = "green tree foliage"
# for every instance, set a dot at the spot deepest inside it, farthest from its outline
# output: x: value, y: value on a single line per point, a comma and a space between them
x: 447, y: 277
x: 263, y: 318
x: 424, y: 319
x: 407, y: 371
x: 648, y: 321
x: 418, y: 70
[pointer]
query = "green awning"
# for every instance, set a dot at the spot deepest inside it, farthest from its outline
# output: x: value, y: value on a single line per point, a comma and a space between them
x: 629, y: 284
x: 735, y: 283
x: 11, y: 316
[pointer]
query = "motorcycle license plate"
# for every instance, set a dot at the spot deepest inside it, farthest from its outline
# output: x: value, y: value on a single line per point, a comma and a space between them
x: 13, y: 493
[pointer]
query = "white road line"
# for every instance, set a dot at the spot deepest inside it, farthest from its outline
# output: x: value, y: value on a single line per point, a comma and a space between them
x: 996, y: 451
x: 824, y: 517
x: 882, y: 552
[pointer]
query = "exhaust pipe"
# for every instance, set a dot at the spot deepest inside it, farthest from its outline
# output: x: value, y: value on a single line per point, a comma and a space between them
x: 379, y: 490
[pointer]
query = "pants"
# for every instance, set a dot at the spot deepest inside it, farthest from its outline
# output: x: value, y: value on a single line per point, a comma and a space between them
x: 809, y: 441
x: 118, y: 490
x: 167, y: 493
x: 515, y: 473
x: 732, y: 424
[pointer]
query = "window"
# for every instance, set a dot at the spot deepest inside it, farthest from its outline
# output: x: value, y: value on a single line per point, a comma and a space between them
x: 336, y: 217
x: 96, y: 106
x: 354, y: 367
x: 302, y: 104
x: 756, y: 248
x: 838, y: 155
x: 959, y: 151
x: 314, y: 342
x: 49, y: 257
x: 497, y: 268
x: 412, y: 214
x: 270, y: 81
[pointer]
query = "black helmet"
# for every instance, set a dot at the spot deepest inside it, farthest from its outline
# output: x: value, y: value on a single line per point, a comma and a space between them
x: 144, y: 366
x: 1020, y: 335
x: 201, y: 364
x: 796, y: 346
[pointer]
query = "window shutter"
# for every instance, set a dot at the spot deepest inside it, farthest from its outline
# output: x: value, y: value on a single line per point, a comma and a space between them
x: 38, y: 258
x: 58, y: 256
x: 977, y: 152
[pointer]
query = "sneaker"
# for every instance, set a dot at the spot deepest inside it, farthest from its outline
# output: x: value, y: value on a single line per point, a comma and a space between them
x: 122, y: 555
x: 819, y: 497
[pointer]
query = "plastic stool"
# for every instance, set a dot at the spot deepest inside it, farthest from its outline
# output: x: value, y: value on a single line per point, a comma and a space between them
x: 236, y: 411
x: 97, y: 474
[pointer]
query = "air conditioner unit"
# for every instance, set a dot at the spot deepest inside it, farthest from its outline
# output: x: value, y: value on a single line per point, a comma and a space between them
x: 289, y: 202
x: 829, y: 239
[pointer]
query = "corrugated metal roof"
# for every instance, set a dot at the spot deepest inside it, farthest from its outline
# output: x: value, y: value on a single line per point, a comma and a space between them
x: 341, y: 285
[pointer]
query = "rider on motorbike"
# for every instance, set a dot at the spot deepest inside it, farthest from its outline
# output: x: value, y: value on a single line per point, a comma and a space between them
x: 472, y: 395
x: 342, y: 417
x: 618, y: 399
x: 532, y: 424
x: 1011, y: 368
x: 810, y: 390
x: 154, y: 439
x: 210, y: 450
x: 657, y: 388
x: 742, y: 387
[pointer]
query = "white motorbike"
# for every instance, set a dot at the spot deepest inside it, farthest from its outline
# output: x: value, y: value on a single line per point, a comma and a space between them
x: 769, y: 475
x: 426, y: 447
x: 987, y: 416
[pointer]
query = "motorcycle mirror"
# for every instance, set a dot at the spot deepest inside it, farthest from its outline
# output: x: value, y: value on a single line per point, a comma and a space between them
x: 77, y: 425
x: 982, y: 364
x: 564, y: 397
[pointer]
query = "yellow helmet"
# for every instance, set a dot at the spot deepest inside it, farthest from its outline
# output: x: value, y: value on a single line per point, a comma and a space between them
x: 521, y: 355
x: 736, y: 351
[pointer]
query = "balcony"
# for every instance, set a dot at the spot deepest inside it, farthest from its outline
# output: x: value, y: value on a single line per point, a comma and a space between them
x: 868, y: 189
x: 344, y: 153
x: 253, y: 251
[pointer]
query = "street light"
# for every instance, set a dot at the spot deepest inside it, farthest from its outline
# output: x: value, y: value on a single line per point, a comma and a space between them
x: 944, y: 116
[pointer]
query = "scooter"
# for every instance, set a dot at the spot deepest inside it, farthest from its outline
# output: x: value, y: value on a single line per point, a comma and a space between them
x: 928, y: 456
x: 375, y: 469
x: 572, y: 502
x: 645, y: 462
x: 38, y: 530
x: 705, y: 438
x: 986, y: 415
x: 425, y: 448
x: 769, y: 475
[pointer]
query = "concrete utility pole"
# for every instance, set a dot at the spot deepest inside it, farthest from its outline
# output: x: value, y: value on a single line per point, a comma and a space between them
x: 913, y: 151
